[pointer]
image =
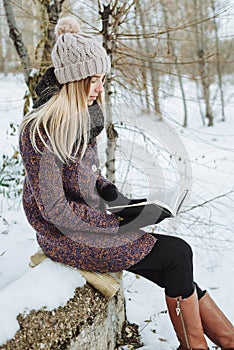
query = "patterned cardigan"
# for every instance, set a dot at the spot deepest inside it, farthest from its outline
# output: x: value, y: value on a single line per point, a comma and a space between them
x: 62, y: 204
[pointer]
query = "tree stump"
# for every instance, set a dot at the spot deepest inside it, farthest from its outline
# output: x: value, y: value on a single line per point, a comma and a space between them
x: 87, y: 321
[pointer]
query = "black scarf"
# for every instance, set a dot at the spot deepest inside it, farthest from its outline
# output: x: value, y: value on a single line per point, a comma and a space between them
x: 47, y: 87
x: 96, y: 120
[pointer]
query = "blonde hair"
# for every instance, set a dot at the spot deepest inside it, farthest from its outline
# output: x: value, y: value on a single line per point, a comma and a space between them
x: 65, y: 120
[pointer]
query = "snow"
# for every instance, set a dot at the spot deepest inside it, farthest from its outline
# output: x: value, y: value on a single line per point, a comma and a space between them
x: 208, y: 228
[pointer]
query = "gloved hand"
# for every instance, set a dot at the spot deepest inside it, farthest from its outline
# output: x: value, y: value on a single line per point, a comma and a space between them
x: 113, y: 197
x: 134, y: 217
x: 143, y: 216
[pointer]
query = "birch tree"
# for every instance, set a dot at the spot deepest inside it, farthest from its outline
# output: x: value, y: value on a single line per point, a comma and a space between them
x: 111, y: 15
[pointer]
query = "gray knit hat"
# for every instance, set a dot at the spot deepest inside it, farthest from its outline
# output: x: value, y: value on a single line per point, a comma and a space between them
x: 77, y: 55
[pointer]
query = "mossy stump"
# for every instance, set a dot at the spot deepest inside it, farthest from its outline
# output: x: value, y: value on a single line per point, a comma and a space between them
x: 88, y: 321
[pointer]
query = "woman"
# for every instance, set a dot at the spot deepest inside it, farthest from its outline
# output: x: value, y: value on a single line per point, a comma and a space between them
x: 65, y: 195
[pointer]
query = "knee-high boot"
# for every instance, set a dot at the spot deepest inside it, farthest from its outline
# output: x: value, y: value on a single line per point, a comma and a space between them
x: 215, y: 324
x: 185, y: 317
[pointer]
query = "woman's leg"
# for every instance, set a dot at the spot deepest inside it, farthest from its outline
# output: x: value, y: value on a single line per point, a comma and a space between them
x: 170, y: 265
x: 215, y: 324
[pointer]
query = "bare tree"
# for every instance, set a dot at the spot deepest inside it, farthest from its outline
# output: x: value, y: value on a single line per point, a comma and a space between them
x: 204, y: 73
x: 143, y: 84
x: 172, y: 51
x: 112, y: 16
x: 219, y: 68
x: 17, y: 39
x: 53, y: 9
x: 154, y: 73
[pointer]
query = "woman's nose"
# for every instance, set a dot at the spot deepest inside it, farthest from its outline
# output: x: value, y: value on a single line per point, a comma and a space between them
x: 100, y: 87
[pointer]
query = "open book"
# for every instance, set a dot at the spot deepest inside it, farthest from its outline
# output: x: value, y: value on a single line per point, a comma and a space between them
x: 169, y: 201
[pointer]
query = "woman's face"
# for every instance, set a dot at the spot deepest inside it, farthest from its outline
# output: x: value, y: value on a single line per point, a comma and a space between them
x: 96, y: 87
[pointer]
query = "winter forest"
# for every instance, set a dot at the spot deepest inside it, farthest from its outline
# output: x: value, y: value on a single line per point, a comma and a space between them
x: 169, y: 102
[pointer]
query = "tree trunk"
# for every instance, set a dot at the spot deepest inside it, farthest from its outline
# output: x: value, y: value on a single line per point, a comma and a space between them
x: 17, y: 39
x: 171, y: 50
x: 202, y: 63
x: 153, y: 72
x: 185, y: 123
x: 112, y: 134
x: 219, y: 70
x: 144, y: 69
x: 53, y: 9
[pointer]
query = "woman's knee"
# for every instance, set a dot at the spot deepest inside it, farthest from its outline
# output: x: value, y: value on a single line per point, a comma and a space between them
x: 177, y: 248
x: 184, y: 248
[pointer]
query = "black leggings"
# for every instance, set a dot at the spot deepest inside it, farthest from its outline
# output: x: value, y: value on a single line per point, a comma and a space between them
x: 169, y: 265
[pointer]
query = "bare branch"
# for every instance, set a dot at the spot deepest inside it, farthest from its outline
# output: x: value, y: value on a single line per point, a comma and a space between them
x: 165, y: 31
x: 208, y: 201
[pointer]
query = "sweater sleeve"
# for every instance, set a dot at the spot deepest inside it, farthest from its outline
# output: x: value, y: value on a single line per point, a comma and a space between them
x: 44, y: 177
x: 102, y: 182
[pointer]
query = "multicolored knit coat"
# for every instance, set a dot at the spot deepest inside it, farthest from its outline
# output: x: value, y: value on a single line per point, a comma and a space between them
x: 62, y: 204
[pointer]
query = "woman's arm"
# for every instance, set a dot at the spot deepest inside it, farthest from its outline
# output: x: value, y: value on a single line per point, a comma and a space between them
x: 102, y: 182
x: 45, y: 181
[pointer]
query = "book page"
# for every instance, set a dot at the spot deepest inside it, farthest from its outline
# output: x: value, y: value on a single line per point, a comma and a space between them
x: 169, y: 199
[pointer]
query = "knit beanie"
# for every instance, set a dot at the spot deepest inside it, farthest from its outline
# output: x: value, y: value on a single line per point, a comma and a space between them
x: 77, y: 55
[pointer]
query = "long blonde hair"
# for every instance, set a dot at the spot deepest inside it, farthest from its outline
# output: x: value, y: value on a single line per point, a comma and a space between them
x: 65, y: 120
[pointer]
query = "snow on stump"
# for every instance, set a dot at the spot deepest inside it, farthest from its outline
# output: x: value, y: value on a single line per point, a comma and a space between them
x: 52, y: 307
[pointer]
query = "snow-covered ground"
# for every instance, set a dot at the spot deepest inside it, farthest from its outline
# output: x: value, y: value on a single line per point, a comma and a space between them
x: 209, y: 228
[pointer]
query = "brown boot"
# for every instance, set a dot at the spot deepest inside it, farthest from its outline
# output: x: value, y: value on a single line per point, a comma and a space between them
x: 216, y: 325
x: 185, y: 317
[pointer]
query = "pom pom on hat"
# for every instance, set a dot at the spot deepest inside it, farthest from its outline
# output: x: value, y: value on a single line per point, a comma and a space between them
x: 67, y: 25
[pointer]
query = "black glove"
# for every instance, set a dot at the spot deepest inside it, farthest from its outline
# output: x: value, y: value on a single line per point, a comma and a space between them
x: 113, y: 197
x: 150, y: 214
x: 132, y: 220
